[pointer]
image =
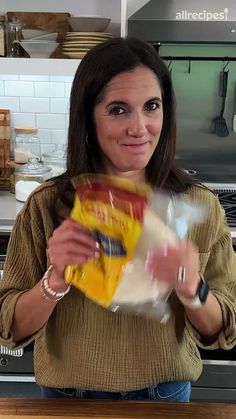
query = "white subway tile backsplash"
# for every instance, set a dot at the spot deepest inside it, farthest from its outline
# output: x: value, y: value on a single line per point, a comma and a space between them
x: 34, y: 78
x: 2, y: 92
x: 59, y: 136
x: 12, y: 103
x: 19, y: 88
x: 65, y: 79
x: 56, y: 121
x: 57, y: 89
x: 38, y: 101
x: 67, y: 120
x: 45, y: 136
x: 59, y: 105
x: 9, y: 77
x: 67, y: 89
x: 34, y: 104
x: 23, y: 119
x: 49, y: 89
x: 42, y: 89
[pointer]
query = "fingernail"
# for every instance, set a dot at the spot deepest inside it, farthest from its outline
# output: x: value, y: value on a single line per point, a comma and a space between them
x: 97, y: 254
x: 97, y: 245
x: 148, y: 266
x: 164, y: 250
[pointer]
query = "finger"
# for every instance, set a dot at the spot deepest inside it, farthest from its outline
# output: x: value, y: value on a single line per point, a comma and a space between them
x: 72, y: 225
x: 166, y: 268
x: 163, y: 258
x: 60, y: 261
x: 78, y: 238
x: 80, y: 249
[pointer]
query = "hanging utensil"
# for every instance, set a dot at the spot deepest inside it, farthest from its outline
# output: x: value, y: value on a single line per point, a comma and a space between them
x: 234, y: 113
x: 220, y: 126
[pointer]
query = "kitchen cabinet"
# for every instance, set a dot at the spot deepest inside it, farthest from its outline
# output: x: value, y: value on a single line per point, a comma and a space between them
x: 115, y: 9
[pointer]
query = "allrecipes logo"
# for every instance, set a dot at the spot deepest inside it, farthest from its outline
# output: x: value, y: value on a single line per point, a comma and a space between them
x: 202, y: 15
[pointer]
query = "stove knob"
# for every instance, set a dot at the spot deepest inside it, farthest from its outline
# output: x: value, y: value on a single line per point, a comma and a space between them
x: 3, y: 362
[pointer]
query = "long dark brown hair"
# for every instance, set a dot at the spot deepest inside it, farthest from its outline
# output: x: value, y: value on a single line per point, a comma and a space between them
x: 96, y: 69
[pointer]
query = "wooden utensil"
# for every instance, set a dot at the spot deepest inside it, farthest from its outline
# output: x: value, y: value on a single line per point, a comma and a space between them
x: 4, y: 149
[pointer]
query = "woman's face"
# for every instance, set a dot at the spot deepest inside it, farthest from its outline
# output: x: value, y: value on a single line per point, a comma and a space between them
x: 128, y: 121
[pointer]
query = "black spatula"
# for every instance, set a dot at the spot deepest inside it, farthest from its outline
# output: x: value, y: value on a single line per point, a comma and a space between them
x: 220, y: 126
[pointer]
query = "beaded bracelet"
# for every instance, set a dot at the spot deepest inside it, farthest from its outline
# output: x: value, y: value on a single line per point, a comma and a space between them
x: 47, y: 292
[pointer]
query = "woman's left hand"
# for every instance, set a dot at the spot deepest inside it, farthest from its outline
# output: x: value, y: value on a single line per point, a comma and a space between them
x: 171, y: 263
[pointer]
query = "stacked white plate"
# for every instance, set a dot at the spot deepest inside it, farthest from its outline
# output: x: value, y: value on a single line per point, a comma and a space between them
x: 77, y: 44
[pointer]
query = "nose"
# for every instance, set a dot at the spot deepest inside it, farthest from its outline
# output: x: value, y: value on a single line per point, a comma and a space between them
x: 137, y: 127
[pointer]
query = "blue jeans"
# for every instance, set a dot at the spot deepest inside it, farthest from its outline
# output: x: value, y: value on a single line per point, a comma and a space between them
x: 172, y: 391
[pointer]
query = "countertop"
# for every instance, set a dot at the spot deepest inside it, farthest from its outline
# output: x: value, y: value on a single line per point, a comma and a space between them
x: 88, y: 409
x: 9, y: 208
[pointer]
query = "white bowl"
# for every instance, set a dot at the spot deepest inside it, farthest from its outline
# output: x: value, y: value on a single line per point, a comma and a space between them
x: 32, y: 33
x: 89, y: 23
x: 39, y: 49
x: 48, y: 37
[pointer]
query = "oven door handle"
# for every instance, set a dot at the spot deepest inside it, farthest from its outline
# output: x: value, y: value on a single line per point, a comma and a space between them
x: 2, y: 260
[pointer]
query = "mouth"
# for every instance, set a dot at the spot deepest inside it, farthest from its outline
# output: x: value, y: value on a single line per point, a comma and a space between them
x: 136, y: 146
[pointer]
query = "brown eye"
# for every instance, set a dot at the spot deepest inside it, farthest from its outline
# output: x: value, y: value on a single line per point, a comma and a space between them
x: 117, y: 110
x: 152, y: 106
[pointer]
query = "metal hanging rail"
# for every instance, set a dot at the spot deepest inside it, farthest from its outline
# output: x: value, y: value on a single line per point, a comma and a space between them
x: 190, y: 58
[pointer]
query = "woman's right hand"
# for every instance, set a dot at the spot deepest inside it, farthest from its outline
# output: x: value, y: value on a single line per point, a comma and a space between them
x: 70, y: 244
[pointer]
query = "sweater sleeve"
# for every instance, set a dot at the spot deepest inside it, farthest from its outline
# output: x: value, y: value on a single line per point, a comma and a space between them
x: 24, y: 267
x: 220, y: 274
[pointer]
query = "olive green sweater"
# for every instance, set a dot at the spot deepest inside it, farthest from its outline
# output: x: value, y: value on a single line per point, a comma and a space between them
x: 88, y: 347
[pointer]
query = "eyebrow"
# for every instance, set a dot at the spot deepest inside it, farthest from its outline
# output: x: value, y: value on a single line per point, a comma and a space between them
x: 122, y: 102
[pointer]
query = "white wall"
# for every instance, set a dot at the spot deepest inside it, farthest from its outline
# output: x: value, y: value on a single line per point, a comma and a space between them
x: 38, y: 101
x: 109, y: 8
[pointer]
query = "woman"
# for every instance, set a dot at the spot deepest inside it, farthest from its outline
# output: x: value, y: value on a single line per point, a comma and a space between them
x: 122, y: 122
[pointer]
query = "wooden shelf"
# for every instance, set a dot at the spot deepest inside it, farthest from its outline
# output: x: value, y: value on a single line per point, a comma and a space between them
x: 38, y: 66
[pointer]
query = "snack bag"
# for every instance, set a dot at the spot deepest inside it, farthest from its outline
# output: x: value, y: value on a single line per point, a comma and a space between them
x: 128, y: 220
x: 113, y: 209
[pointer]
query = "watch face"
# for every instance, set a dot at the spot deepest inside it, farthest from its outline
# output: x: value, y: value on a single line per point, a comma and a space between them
x: 203, y: 291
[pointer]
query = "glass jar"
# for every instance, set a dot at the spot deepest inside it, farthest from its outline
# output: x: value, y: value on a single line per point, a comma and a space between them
x: 55, y: 160
x: 2, y: 36
x: 26, y: 145
x: 28, y: 177
x: 13, y: 38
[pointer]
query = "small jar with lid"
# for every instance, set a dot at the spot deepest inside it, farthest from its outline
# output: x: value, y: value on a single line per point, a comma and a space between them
x: 13, y: 37
x: 28, y: 177
x: 2, y: 36
x: 55, y: 160
x: 26, y: 145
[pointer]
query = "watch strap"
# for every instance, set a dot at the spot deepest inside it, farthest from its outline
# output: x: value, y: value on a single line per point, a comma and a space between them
x: 199, y: 299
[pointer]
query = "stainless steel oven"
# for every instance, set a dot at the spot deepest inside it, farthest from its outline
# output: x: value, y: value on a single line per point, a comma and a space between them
x: 15, y: 365
x: 3, y: 249
x: 218, y: 380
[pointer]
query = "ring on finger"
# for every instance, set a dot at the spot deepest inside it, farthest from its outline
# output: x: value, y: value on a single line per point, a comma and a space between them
x: 181, y: 274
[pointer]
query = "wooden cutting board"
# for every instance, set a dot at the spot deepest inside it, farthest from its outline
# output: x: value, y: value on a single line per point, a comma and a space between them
x: 51, y: 22
x: 4, y: 148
